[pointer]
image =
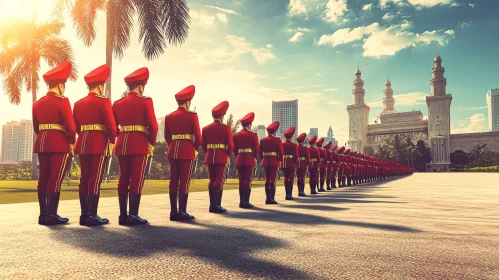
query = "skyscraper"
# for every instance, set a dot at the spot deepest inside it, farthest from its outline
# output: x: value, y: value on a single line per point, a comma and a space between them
x: 17, y: 141
x: 313, y: 131
x: 161, y: 130
x: 260, y: 131
x: 330, y: 137
x: 492, y: 97
x: 286, y: 112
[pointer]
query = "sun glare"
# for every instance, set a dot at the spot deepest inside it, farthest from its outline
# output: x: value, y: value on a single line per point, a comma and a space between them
x: 23, y: 9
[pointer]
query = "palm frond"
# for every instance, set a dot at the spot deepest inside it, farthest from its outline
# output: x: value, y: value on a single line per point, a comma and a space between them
x: 176, y: 19
x: 120, y: 15
x: 61, y: 6
x: 55, y: 51
x: 13, y: 83
x: 150, y: 24
x: 52, y: 28
x: 83, y: 14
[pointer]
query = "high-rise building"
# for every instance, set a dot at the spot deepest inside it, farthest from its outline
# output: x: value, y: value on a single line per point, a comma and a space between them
x: 260, y: 131
x: 313, y: 131
x: 161, y: 130
x: 330, y: 137
x: 286, y: 112
x: 492, y: 97
x: 17, y: 141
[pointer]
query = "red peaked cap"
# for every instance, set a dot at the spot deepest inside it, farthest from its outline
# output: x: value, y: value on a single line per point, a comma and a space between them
x: 340, y: 150
x: 328, y: 144
x: 312, y: 140
x: 347, y: 152
x: 289, y: 132
x: 139, y: 76
x: 249, y: 118
x: 60, y: 72
x: 186, y: 94
x: 220, y: 109
x: 273, y: 127
x: 334, y: 147
x: 319, y: 142
x: 98, y: 75
x: 301, y: 137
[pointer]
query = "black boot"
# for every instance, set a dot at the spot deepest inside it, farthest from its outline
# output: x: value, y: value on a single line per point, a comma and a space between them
x: 242, y: 200
x: 42, y: 201
x: 84, y: 208
x: 321, y: 189
x: 173, y: 207
x: 268, y: 199
x: 134, y: 203
x: 272, y: 194
x: 123, y: 200
x: 328, y: 185
x: 349, y: 181
x: 333, y: 183
x: 218, y: 201
x: 301, y: 189
x: 51, y: 206
x: 291, y: 190
x: 312, y: 188
x: 182, y: 208
x: 247, y: 198
x: 93, y: 219
x: 213, y: 204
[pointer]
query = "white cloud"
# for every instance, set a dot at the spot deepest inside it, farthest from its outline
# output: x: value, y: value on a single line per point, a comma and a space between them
x: 471, y: 108
x: 429, y: 3
x: 335, y: 102
x: 331, y: 89
x: 465, y: 24
x: 302, y: 7
x: 388, y: 16
x: 269, y: 46
x: 223, y: 10
x: 385, y: 41
x: 385, y: 3
x: 222, y: 18
x: 472, y: 5
x: 475, y: 123
x: 403, y: 100
x: 455, y: 4
x: 262, y: 55
x: 296, y: 37
x: 299, y: 29
x: 335, y: 9
x: 317, y: 85
x: 367, y: 7
x: 318, y: 74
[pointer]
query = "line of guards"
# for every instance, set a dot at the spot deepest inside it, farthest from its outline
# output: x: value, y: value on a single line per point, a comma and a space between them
x: 128, y: 128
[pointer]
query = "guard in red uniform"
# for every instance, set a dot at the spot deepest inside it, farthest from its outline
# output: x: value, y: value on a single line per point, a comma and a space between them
x: 341, y: 167
x: 334, y: 165
x: 313, y: 165
x: 183, y: 135
x: 246, y: 150
x: 55, y: 138
x: 138, y: 128
x: 348, y: 168
x: 218, y: 146
x: 271, y: 153
x: 96, y: 128
x: 302, y: 165
x: 290, y: 160
x: 322, y: 164
x: 328, y: 165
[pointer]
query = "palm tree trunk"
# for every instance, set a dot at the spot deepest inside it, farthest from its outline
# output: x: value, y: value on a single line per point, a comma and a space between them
x: 34, y: 158
x: 109, y: 55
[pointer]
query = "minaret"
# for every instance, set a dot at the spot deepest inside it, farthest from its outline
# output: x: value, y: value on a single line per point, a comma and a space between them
x: 330, y: 132
x: 439, y: 116
x: 388, y: 101
x: 358, y: 114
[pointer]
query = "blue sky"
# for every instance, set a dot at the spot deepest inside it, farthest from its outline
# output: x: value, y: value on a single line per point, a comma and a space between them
x: 251, y: 52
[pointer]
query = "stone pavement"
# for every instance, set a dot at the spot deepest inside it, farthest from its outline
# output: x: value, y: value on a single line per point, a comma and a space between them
x: 424, y: 226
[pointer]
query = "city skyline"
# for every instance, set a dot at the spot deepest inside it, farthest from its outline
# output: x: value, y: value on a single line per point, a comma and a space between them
x: 286, y: 112
x: 311, y: 58
x: 17, y: 141
x: 492, y: 98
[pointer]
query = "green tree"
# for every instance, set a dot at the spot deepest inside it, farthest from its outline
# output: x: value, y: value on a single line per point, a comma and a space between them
x: 24, y: 45
x: 369, y: 151
x: 160, y: 21
x: 481, y: 157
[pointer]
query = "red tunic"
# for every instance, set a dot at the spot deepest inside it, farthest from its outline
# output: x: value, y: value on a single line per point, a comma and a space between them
x: 53, y: 109
x: 213, y: 134
x: 271, y: 144
x: 314, y: 157
x: 245, y: 139
x: 303, y: 157
x: 135, y: 109
x: 94, y: 109
x: 290, y: 149
x: 182, y: 122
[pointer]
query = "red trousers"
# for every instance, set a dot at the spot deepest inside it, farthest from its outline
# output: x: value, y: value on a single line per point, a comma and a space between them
x: 313, y: 176
x: 216, y: 173
x: 245, y: 174
x: 301, y: 173
x: 181, y: 172
x: 333, y: 174
x: 328, y: 174
x: 322, y: 174
x: 93, y: 168
x: 53, y: 168
x: 289, y: 175
x: 132, y: 168
x: 270, y: 175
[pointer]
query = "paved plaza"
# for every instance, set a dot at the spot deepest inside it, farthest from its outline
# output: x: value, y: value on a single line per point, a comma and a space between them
x: 424, y: 226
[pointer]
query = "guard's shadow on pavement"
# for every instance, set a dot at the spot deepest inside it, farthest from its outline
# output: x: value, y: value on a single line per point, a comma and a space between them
x: 228, y: 247
x: 271, y: 215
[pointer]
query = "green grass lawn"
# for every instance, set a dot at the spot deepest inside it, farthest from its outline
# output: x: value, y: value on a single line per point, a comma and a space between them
x: 25, y: 191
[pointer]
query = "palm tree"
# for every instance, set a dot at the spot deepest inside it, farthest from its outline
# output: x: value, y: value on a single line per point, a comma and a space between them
x: 23, y: 46
x: 159, y: 21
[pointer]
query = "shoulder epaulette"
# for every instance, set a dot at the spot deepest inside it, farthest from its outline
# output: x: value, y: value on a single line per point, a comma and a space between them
x: 101, y: 96
x: 142, y: 96
x: 60, y: 96
x: 191, y: 111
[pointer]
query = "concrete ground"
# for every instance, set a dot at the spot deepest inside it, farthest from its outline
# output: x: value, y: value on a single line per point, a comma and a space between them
x: 424, y: 226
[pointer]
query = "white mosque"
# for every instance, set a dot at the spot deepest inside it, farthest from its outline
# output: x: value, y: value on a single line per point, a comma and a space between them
x: 435, y: 131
